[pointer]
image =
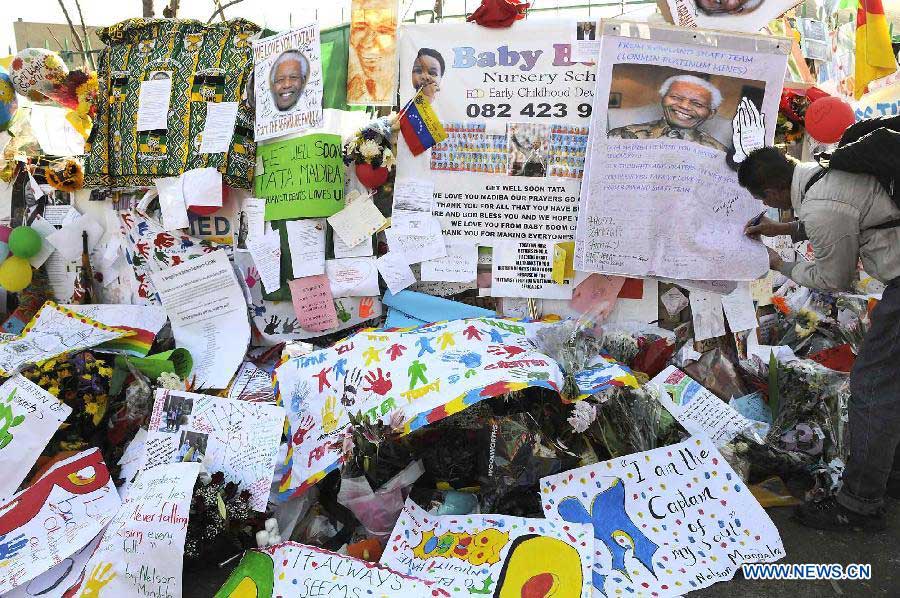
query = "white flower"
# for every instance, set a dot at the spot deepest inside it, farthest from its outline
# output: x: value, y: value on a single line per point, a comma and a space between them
x: 583, y: 415
x: 397, y: 420
x: 369, y: 149
x: 170, y: 380
x: 387, y: 158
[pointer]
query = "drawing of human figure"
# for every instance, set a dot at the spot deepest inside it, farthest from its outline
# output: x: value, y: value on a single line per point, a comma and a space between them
x: 424, y: 344
x: 416, y: 372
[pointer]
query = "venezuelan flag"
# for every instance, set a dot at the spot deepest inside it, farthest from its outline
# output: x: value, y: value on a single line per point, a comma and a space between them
x: 420, y: 125
x: 874, y: 55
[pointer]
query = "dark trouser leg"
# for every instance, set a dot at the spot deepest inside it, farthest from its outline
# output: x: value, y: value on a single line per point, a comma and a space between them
x: 874, y: 409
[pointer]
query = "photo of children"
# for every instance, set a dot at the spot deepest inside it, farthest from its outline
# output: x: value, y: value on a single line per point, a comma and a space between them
x: 176, y: 411
x: 192, y: 447
x: 469, y: 148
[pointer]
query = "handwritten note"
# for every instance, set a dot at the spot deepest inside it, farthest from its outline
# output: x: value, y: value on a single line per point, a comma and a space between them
x: 396, y: 271
x: 459, y: 265
x: 237, y: 438
x: 353, y: 277
x: 313, y: 303
x: 29, y: 416
x: 597, y: 294
x: 302, y: 177
x: 673, y: 301
x: 417, y: 248
x: 739, y: 309
x: 415, y: 223
x: 141, y: 552
x: 699, y: 410
x: 413, y: 195
x: 706, y: 311
x: 306, y: 240
x: 265, y: 249
x: 363, y: 249
x: 358, y: 221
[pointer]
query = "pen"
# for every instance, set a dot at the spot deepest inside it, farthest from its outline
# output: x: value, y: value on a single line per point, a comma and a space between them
x: 757, y: 220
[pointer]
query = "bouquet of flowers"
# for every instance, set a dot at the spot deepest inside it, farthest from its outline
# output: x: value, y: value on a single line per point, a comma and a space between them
x: 370, y: 149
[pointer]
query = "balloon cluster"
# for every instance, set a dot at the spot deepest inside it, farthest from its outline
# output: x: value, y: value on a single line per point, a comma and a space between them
x: 41, y: 74
x: 17, y: 245
x: 824, y: 116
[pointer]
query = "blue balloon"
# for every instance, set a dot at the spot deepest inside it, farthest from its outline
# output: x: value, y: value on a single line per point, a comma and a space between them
x: 8, y: 102
x: 4, y: 251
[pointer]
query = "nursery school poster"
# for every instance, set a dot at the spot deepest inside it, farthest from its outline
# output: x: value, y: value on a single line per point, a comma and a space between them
x: 666, y: 521
x: 516, y: 108
x: 492, y: 555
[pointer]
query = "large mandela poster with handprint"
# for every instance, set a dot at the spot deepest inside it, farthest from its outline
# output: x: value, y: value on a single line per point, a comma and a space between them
x: 660, y: 195
x: 666, y: 521
x: 416, y: 376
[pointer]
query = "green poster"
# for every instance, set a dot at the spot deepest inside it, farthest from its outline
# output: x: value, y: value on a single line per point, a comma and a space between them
x: 301, y: 177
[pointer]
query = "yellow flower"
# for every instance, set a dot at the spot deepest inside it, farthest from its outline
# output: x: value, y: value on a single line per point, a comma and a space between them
x: 54, y: 390
x: 6, y: 91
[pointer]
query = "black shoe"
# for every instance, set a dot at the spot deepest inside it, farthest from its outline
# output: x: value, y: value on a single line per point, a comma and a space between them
x: 893, y: 488
x: 830, y: 515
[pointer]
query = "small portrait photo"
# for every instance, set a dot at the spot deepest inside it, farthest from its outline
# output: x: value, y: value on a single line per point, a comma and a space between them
x: 287, y: 79
x: 586, y: 31
x: 176, y: 411
x: 427, y: 72
x: 653, y: 102
x: 192, y: 447
x: 243, y: 230
x: 528, y: 147
x: 159, y: 75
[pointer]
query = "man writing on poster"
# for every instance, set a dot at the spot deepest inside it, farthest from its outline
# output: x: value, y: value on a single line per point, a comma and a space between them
x: 847, y: 217
x: 687, y: 102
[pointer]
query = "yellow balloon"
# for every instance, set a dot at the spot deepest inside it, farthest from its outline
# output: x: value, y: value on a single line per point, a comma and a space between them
x: 15, y: 274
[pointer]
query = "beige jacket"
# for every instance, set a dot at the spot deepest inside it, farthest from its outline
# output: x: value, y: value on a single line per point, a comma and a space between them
x: 836, y: 213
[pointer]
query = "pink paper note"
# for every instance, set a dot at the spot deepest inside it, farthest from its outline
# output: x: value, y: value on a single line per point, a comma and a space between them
x: 313, y: 303
x: 597, y: 295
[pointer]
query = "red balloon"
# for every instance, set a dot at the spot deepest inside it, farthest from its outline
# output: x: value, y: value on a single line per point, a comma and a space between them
x: 828, y: 118
x: 204, y: 210
x: 371, y: 178
x: 208, y: 210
